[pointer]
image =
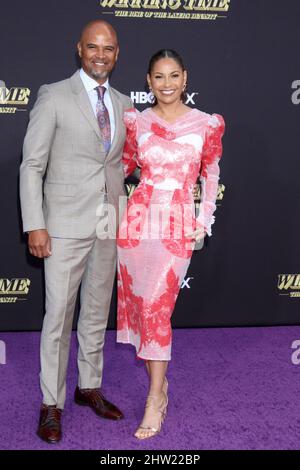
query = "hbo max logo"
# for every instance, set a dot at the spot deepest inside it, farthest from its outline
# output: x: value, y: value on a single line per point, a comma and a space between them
x: 142, y: 97
x: 2, y: 353
x: 186, y: 283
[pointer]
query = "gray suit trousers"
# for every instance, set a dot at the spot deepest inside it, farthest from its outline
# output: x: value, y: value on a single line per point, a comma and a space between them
x: 91, y: 262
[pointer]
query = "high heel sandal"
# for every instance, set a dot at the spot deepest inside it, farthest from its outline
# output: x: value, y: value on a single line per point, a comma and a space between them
x: 162, y: 408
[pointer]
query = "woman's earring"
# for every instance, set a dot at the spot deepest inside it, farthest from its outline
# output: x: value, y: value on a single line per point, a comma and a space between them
x: 151, y: 96
x: 183, y: 94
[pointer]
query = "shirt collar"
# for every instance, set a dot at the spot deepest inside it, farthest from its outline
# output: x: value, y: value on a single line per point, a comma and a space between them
x: 89, y: 83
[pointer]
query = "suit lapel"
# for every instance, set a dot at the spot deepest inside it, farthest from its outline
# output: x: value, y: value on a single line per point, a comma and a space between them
x: 83, y: 102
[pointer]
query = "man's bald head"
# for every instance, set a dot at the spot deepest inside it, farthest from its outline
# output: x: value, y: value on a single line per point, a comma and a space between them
x: 98, y: 49
x: 96, y: 26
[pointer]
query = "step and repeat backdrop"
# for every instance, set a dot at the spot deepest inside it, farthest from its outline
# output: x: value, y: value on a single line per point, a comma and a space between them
x: 242, y: 61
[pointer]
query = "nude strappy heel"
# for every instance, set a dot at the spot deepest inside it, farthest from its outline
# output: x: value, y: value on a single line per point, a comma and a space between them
x: 162, y: 409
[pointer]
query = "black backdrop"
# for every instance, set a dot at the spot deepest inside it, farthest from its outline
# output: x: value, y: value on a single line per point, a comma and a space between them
x: 244, y: 65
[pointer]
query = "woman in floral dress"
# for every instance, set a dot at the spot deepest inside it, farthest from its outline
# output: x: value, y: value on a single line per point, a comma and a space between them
x: 172, y: 144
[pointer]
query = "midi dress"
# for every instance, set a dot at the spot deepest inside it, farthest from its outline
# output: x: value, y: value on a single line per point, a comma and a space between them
x: 153, y: 241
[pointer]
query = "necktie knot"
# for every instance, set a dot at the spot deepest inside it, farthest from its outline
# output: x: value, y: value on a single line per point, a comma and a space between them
x: 101, y: 90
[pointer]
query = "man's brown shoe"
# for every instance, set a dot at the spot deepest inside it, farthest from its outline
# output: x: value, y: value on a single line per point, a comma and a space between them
x: 93, y: 398
x: 49, y: 425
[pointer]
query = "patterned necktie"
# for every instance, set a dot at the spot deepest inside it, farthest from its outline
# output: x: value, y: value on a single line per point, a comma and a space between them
x: 103, y: 118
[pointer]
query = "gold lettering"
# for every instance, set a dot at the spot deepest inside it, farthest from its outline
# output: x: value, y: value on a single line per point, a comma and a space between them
x: 191, y: 5
x: 288, y: 281
x: 14, y: 286
x: 8, y: 300
x: 8, y: 110
x: 121, y: 3
x: 135, y: 4
x: 114, y: 3
x: 154, y: 4
x: 3, y: 92
x: 174, y: 4
x: 16, y: 96
x: 208, y: 5
x: 130, y: 188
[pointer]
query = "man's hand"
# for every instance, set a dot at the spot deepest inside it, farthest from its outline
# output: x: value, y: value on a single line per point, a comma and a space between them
x: 39, y: 243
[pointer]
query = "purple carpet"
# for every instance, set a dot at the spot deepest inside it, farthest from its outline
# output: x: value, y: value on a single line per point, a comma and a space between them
x: 230, y: 388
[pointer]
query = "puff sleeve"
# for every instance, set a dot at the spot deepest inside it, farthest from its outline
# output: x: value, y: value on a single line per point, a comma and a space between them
x: 210, y: 171
x: 130, y: 150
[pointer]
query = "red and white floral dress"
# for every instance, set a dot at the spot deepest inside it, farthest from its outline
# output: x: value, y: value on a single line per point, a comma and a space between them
x: 154, y: 251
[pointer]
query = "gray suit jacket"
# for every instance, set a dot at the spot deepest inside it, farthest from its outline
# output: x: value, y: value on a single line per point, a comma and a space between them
x: 65, y: 168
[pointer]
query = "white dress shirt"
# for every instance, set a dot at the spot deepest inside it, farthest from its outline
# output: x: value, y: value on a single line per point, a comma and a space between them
x: 90, y: 84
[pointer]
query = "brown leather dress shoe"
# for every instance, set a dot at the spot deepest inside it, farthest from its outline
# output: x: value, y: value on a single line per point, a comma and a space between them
x: 93, y: 398
x: 49, y: 429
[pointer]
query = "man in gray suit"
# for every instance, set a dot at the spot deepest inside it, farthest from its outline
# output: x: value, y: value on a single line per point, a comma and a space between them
x: 71, y: 167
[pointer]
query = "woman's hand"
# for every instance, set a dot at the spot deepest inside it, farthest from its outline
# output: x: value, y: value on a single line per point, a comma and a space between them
x: 197, y: 235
